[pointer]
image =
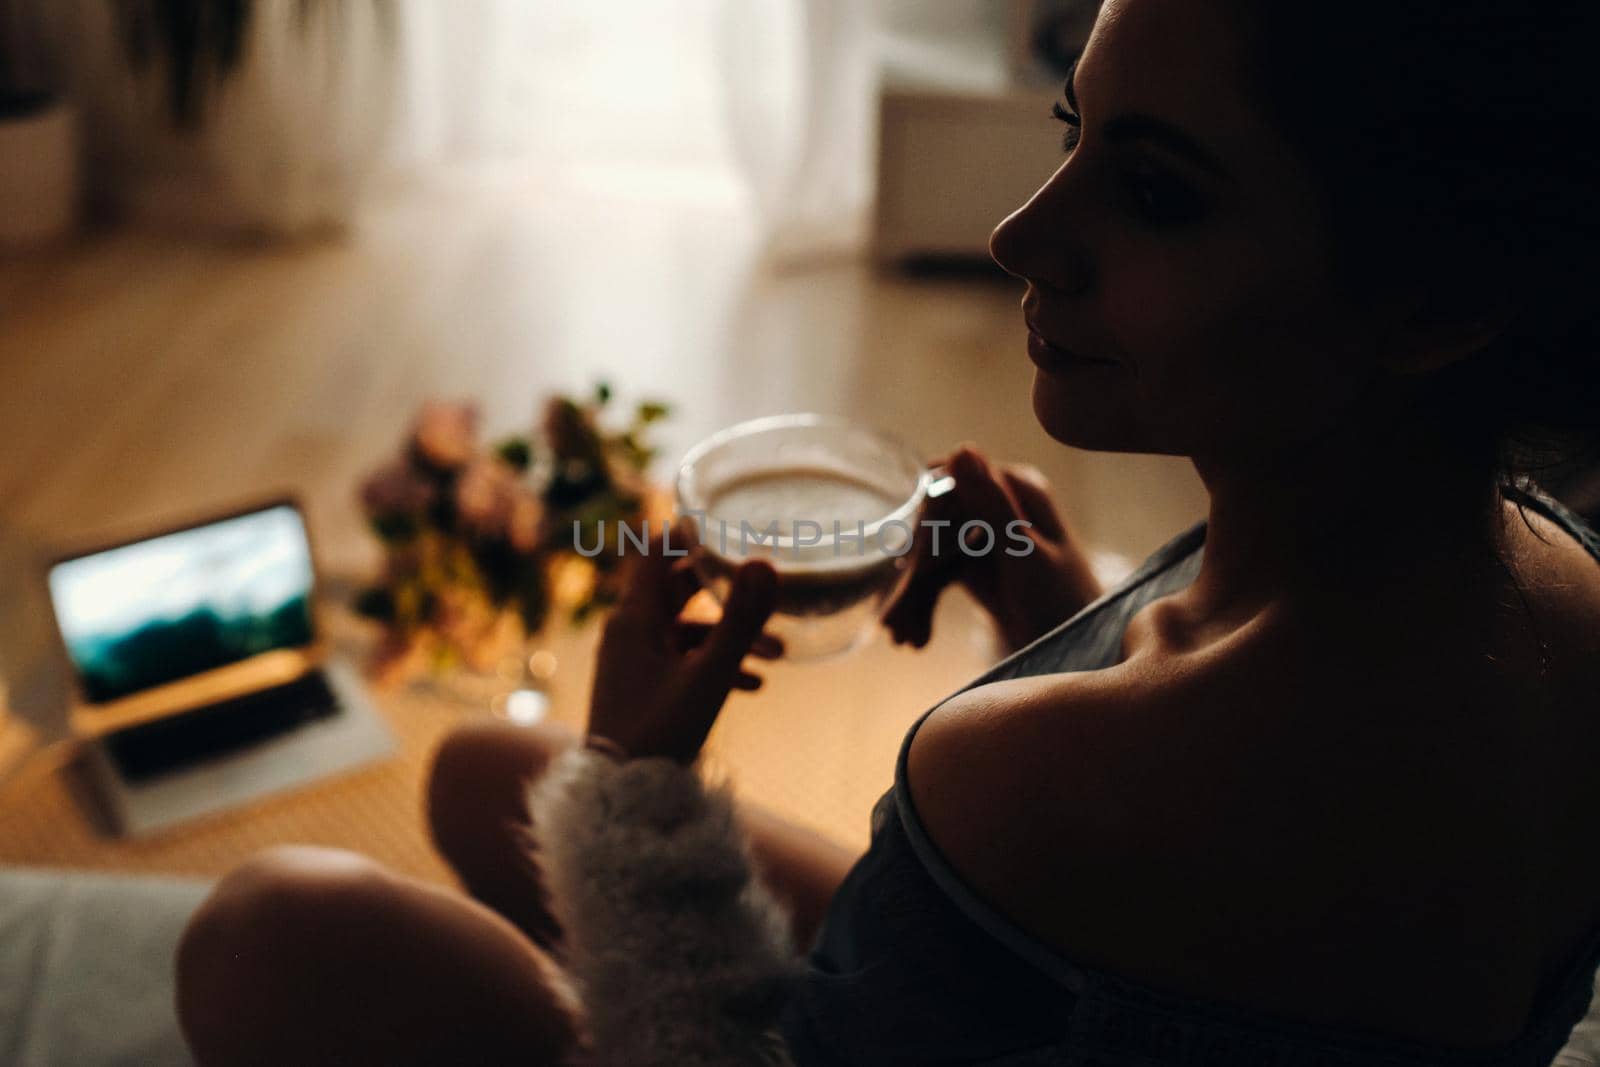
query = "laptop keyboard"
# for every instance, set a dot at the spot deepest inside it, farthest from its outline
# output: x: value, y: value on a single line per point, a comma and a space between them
x: 150, y: 749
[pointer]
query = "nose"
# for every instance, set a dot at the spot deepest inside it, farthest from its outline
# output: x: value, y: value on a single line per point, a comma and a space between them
x: 1038, y: 242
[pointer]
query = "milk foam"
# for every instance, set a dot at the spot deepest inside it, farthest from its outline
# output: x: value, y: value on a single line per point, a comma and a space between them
x: 799, y: 495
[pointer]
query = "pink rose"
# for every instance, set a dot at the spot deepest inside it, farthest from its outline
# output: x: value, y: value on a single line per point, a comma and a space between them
x: 445, y: 435
x: 395, y: 491
x: 485, y: 495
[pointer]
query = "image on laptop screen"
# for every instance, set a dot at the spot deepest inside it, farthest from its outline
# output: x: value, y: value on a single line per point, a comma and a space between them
x: 155, y: 611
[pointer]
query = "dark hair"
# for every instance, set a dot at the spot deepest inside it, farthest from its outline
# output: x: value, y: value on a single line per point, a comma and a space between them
x: 1459, y: 145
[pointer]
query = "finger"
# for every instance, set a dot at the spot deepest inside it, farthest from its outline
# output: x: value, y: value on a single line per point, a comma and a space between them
x: 647, y: 594
x: 935, y: 563
x: 694, y: 632
x: 751, y: 601
x: 910, y: 617
x: 982, y: 493
x: 979, y: 496
x: 746, y: 681
x: 934, y: 551
x: 682, y: 583
x: 1032, y: 491
x: 937, y: 559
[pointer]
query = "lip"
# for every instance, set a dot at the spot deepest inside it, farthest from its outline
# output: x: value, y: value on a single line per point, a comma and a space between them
x: 1052, y: 357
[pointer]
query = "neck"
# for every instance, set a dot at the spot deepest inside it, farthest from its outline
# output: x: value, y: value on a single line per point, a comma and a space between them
x: 1379, y: 500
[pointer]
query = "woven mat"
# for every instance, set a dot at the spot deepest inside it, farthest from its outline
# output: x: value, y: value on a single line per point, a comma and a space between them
x: 816, y: 745
x: 50, y: 817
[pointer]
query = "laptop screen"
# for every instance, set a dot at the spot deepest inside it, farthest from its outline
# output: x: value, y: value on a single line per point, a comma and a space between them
x: 171, y: 606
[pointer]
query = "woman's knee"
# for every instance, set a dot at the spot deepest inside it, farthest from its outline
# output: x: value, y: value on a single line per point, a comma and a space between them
x: 477, y: 787
x: 477, y: 784
x: 477, y: 813
x: 309, y: 955
x: 254, y: 913
x: 251, y: 942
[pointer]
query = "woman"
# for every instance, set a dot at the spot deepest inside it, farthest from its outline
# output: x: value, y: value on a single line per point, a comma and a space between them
x: 1322, y: 792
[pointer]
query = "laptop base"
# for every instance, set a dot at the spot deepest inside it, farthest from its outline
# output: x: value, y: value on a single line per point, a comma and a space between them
x: 291, y: 753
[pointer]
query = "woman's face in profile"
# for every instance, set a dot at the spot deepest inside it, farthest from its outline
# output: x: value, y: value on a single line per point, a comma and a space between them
x: 1181, y: 296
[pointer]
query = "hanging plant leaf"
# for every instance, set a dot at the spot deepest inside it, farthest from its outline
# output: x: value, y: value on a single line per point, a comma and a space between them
x: 199, y: 44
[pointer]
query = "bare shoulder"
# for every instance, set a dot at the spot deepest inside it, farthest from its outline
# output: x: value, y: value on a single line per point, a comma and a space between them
x: 987, y: 755
x: 1557, y: 569
x: 1088, y: 755
x: 1551, y: 620
x: 1268, y: 767
x: 1018, y: 781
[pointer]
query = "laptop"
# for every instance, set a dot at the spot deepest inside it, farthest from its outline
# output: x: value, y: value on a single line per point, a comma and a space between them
x: 201, y: 680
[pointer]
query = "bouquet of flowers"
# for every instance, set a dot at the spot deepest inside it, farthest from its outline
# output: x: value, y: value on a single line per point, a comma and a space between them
x: 480, y: 543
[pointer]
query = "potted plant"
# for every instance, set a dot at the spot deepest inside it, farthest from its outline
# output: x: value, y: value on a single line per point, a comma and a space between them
x: 38, y: 150
x: 481, y: 540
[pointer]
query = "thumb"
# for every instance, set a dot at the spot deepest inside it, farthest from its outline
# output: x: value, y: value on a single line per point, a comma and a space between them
x: 932, y: 566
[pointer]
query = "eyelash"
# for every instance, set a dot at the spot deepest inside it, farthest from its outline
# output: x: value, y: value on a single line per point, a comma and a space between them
x: 1178, y: 207
x: 1074, y: 131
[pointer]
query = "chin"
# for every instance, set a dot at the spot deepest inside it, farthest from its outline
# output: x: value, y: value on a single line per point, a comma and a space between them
x: 1083, y: 417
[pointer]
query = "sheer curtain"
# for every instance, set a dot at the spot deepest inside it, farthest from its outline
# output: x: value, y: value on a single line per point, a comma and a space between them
x: 800, y: 96
x: 776, y: 97
x: 771, y: 100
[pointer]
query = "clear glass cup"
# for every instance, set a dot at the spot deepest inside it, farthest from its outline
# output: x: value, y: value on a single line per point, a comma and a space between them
x: 831, y: 504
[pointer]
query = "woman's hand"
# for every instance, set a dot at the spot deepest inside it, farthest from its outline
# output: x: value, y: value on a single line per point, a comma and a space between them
x: 660, y: 680
x: 1025, y: 594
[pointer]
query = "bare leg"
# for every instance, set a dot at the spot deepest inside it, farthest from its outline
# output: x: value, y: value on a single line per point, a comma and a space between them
x: 478, y: 818
x: 317, y: 956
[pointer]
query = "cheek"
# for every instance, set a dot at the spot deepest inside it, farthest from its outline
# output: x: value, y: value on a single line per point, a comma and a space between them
x: 1232, y: 347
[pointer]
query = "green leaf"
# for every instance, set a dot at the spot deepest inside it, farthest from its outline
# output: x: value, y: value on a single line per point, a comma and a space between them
x: 515, y: 451
x: 653, y: 410
x: 602, y: 393
x: 394, y: 529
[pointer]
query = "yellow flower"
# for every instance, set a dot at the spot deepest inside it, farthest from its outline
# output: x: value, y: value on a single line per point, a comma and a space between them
x: 572, y: 580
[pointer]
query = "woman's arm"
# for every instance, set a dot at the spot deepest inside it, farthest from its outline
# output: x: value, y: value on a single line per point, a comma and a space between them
x: 680, y: 953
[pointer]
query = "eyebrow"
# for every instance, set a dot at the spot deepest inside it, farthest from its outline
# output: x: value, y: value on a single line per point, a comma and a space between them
x: 1144, y: 127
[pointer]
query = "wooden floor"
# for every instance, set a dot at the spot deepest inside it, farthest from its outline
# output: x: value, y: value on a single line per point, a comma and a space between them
x: 143, y: 376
